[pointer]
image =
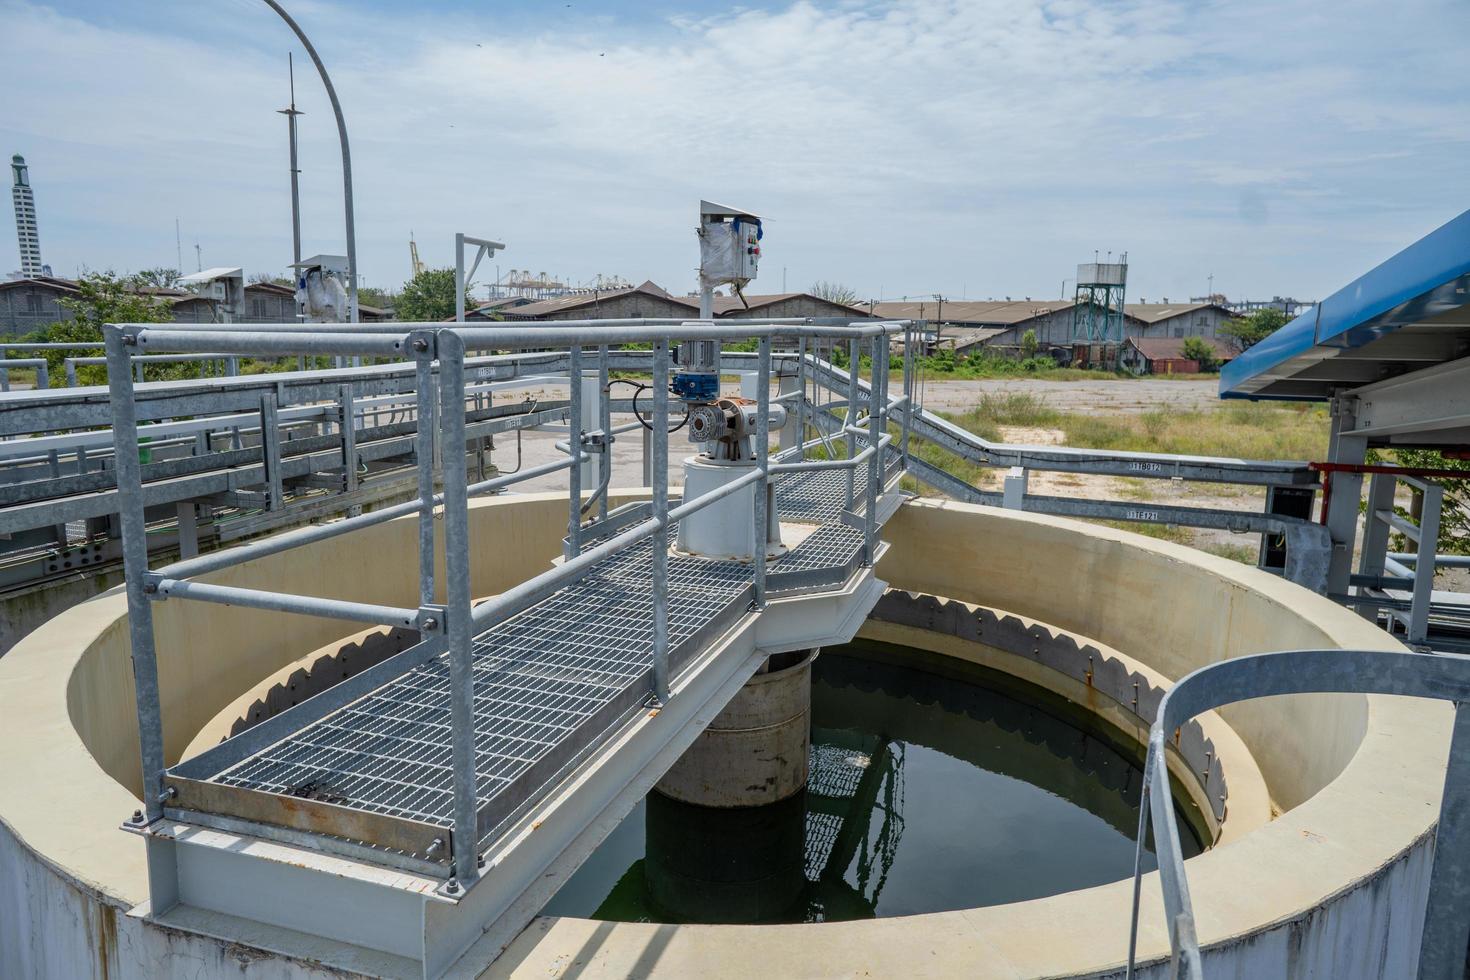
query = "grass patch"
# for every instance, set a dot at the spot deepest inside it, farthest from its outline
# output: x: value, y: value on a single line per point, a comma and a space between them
x: 1164, y: 532
x: 1248, y: 430
x: 1244, y: 554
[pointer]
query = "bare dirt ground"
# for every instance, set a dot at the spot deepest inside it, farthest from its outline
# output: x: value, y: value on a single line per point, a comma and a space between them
x: 1107, y: 396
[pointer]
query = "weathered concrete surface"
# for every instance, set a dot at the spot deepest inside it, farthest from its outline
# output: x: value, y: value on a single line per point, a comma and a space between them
x: 1331, y: 888
x: 756, y: 750
x: 26, y: 609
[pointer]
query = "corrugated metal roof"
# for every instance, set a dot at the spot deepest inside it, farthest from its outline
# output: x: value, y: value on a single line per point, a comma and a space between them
x: 989, y: 311
x: 1154, y: 312
x: 970, y: 338
x: 1172, y: 348
x: 562, y: 303
x: 725, y: 305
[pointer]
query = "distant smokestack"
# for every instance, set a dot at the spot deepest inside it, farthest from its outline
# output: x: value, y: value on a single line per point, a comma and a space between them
x: 25, y: 218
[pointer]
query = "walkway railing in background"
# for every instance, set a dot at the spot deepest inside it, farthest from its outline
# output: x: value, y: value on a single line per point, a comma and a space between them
x: 1447, y: 677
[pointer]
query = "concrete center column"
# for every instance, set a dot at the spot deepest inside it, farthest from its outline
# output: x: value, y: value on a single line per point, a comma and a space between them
x: 726, y: 825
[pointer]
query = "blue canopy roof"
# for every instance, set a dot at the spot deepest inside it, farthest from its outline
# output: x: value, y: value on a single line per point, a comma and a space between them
x: 1408, y: 313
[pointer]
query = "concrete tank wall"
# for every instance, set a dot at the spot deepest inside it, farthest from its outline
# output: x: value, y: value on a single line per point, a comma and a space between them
x: 1332, y: 888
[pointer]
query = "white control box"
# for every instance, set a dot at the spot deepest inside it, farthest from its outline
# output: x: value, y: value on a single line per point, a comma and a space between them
x: 729, y: 245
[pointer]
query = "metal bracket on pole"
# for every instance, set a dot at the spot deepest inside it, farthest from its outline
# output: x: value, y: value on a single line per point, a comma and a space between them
x: 485, y: 249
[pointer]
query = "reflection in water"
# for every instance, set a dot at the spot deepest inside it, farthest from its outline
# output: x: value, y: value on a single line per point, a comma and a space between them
x: 933, y: 786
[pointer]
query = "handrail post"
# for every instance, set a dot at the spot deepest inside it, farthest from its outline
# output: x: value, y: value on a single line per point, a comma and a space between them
x: 875, y: 461
x: 135, y: 570
x: 762, y: 462
x: 457, y: 594
x: 801, y: 398
x: 604, y: 421
x: 908, y: 392
x: 424, y: 462
x: 574, y: 475
x: 854, y: 352
x: 660, y: 543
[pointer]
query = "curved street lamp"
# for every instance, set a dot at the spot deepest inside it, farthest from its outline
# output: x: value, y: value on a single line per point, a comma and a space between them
x: 346, y: 158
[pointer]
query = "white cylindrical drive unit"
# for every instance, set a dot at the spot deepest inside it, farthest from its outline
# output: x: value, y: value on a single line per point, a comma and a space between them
x: 726, y: 528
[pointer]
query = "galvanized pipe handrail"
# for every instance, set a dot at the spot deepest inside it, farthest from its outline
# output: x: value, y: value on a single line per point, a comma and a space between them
x: 458, y: 621
x: 760, y: 537
x: 813, y: 465
x: 271, y: 342
x: 1442, y: 954
x: 81, y: 360
x: 287, y: 540
x: 362, y: 612
x: 563, y: 334
x: 39, y: 364
x: 533, y: 590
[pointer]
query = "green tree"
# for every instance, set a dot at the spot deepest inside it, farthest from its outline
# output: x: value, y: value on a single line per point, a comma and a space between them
x: 1199, y: 349
x: 1454, y: 514
x: 1029, y: 343
x: 371, y: 296
x: 834, y: 292
x: 1247, y: 331
x: 159, y: 278
x: 429, y: 297
x: 102, y: 297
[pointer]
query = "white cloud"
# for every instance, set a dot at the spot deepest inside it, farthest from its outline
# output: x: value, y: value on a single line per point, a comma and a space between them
x: 984, y: 146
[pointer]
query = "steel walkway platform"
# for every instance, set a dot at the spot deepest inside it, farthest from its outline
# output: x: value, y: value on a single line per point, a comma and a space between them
x: 371, y: 767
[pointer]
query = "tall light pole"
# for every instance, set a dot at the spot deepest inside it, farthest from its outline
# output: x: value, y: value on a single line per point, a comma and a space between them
x: 291, y: 112
x: 346, y: 157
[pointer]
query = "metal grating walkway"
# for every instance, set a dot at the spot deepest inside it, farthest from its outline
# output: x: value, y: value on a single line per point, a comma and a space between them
x: 548, y: 681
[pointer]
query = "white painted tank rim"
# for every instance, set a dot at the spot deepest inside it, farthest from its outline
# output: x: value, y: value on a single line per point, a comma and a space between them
x: 59, y: 804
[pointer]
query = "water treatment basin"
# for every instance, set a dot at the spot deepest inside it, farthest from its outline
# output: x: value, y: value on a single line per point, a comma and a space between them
x: 1323, y: 880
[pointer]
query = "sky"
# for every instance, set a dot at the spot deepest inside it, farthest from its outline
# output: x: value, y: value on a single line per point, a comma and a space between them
x: 971, y: 148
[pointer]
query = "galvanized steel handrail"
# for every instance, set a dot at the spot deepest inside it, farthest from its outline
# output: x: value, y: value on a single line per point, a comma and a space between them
x: 1446, y: 932
x: 456, y: 621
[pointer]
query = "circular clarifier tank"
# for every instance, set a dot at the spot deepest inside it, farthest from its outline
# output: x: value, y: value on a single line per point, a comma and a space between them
x: 972, y: 791
x: 934, y: 785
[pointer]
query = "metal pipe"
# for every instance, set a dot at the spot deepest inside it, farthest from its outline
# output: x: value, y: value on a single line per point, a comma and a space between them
x: 574, y: 475
x: 356, y: 338
x: 39, y: 363
x: 423, y: 462
x: 850, y: 419
x: 458, y: 277
x: 302, y: 605
x: 875, y: 461
x: 660, y: 575
x: 460, y: 625
x: 816, y: 465
x: 152, y: 358
x: 565, y: 445
x: 1444, y: 561
x: 604, y: 421
x: 346, y: 156
x: 135, y: 569
x: 272, y: 342
x: 762, y: 463
x: 565, y: 333
x: 801, y: 397
x: 275, y: 544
